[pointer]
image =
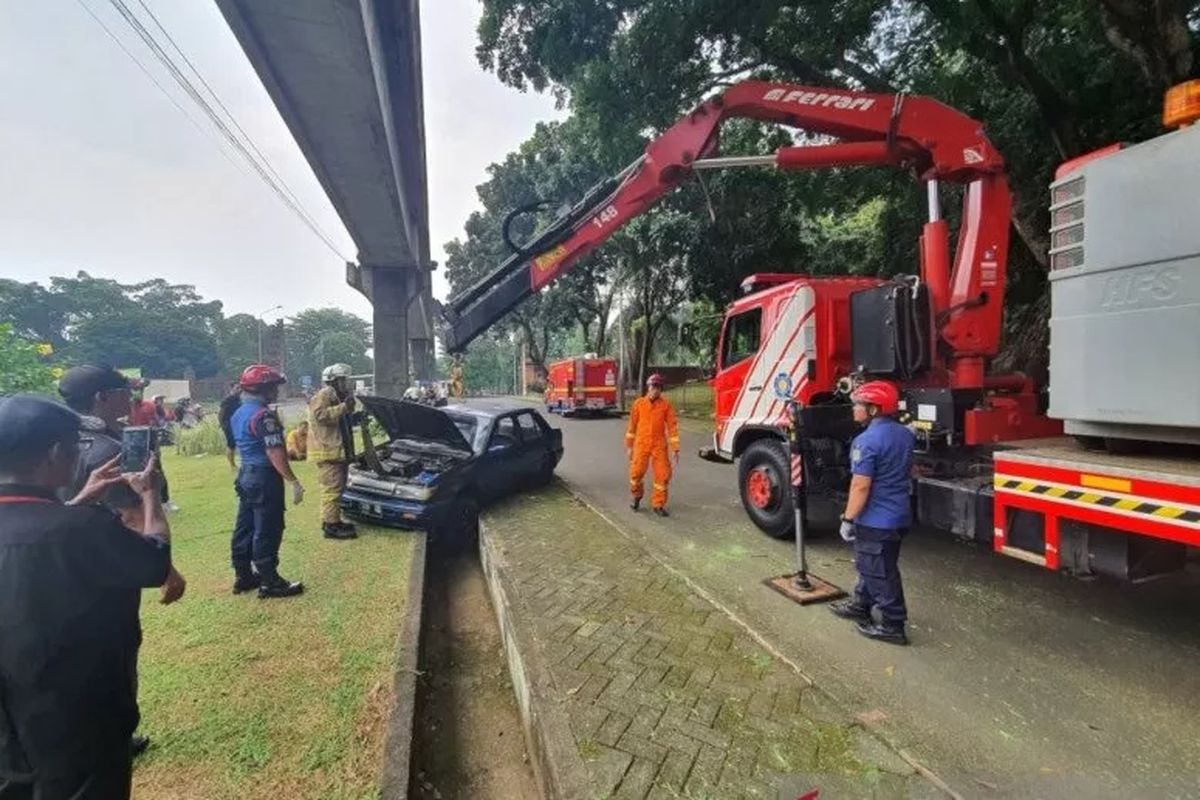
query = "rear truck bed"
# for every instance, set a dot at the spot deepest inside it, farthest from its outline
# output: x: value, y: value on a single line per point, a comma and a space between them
x: 1052, y: 503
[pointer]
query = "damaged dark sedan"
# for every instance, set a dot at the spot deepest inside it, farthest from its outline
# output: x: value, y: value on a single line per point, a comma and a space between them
x: 439, y: 465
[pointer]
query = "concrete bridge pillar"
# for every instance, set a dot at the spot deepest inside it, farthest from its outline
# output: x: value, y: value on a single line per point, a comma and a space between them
x: 400, y: 322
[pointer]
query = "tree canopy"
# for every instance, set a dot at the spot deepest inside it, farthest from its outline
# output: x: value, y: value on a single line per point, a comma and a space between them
x: 166, y: 330
x: 1050, y: 81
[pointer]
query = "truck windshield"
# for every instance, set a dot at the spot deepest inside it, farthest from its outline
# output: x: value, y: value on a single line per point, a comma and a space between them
x: 742, y: 336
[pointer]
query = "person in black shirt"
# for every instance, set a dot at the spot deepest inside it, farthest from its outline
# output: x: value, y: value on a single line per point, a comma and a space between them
x: 103, y: 395
x: 229, y: 404
x: 70, y: 585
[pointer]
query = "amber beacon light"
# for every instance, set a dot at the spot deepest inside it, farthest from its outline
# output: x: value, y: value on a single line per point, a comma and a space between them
x: 1181, y: 106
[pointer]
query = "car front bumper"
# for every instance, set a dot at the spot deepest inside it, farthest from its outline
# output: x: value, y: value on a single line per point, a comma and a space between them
x: 391, y: 511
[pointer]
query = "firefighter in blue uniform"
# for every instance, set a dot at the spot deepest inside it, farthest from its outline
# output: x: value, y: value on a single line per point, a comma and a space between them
x: 258, y: 531
x: 878, y: 513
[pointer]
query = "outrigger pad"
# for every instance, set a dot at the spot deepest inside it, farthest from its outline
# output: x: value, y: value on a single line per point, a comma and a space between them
x: 821, y: 591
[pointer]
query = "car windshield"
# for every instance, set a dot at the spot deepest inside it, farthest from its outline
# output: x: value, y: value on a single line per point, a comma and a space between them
x: 467, y: 425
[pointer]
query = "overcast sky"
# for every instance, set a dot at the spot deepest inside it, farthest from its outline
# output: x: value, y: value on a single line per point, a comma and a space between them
x: 102, y: 173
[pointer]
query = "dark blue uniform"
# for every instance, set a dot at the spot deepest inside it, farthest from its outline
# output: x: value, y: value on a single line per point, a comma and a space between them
x: 259, y: 528
x: 883, y: 453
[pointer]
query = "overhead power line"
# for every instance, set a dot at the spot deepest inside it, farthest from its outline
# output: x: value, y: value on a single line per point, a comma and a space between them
x: 243, y: 143
x: 228, y: 114
x: 206, y: 132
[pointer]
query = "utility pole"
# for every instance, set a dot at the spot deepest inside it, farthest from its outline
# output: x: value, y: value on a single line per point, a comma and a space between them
x: 524, y: 382
x: 621, y: 349
x: 260, y: 316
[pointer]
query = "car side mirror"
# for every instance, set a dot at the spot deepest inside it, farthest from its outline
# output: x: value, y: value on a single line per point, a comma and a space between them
x: 709, y: 372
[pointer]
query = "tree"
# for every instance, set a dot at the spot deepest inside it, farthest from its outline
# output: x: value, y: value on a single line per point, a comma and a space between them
x: 237, y: 341
x: 557, y: 164
x: 23, y: 365
x: 1051, y: 80
x: 160, y: 346
x: 308, y: 330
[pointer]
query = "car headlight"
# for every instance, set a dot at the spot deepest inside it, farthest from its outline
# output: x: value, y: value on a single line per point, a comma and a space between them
x: 419, y: 493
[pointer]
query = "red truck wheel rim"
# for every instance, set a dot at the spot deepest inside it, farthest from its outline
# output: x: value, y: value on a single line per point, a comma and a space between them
x: 760, y: 488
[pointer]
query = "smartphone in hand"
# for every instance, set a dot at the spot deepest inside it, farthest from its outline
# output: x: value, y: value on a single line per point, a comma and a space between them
x: 137, y: 443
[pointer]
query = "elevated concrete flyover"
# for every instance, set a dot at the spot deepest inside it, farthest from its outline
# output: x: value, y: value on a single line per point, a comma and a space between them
x: 346, y: 78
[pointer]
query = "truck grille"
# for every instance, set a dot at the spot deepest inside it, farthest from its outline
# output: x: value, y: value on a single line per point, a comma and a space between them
x: 1067, y: 223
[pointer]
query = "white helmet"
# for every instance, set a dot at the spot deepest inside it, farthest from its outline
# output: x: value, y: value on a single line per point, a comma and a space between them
x: 335, y: 371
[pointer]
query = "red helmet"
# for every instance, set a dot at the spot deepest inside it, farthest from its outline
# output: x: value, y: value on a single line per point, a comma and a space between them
x: 878, y: 393
x: 257, y: 376
x: 655, y: 380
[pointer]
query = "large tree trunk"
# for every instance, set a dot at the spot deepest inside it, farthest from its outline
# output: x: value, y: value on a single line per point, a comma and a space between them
x: 1153, y: 34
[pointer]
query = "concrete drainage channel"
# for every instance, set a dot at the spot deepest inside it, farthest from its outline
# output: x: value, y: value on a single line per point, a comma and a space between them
x: 466, y: 734
x: 559, y: 770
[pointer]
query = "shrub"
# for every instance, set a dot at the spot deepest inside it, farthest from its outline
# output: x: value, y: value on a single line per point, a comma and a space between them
x: 204, y: 439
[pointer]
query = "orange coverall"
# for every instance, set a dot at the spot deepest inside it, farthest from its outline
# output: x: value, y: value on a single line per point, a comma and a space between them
x: 652, y: 427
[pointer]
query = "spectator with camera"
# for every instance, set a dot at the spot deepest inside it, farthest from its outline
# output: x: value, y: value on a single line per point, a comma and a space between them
x: 71, y: 576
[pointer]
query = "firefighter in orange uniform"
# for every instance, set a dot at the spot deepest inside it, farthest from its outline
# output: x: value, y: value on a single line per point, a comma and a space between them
x: 652, y: 430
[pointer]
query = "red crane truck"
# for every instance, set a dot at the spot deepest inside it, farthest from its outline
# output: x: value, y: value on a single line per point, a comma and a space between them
x: 582, y: 385
x: 987, y: 466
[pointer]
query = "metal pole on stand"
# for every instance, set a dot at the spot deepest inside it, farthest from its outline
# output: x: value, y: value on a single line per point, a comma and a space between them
x: 797, y: 458
x: 801, y: 586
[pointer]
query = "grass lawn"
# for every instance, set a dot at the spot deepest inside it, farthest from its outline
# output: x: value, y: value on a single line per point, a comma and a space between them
x: 280, y: 698
x: 692, y: 400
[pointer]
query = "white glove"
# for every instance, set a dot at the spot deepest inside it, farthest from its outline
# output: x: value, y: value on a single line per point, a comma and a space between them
x: 847, y: 530
x: 297, y: 493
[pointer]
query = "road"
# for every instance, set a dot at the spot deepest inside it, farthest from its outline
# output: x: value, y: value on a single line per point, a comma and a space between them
x: 1019, y: 682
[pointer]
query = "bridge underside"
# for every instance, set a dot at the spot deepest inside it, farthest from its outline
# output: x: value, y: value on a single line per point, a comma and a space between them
x: 346, y: 78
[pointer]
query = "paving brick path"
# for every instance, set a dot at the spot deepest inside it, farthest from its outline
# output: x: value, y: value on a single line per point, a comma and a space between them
x: 666, y: 696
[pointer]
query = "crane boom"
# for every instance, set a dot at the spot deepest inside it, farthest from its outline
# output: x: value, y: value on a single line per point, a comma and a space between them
x: 912, y: 132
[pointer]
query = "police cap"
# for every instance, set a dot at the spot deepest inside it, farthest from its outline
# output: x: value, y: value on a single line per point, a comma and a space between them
x: 31, y: 424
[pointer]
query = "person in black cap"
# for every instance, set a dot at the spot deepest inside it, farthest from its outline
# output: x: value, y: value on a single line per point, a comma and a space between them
x: 104, y: 396
x: 70, y: 584
x: 229, y: 404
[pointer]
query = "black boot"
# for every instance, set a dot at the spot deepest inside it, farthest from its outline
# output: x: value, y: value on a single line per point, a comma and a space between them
x: 338, y: 530
x: 246, y: 580
x: 891, y: 634
x: 138, y: 744
x: 850, y: 609
x: 274, y: 585
x: 662, y: 512
x: 635, y: 503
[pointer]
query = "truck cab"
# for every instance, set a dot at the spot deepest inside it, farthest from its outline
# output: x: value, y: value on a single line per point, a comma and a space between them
x: 791, y: 337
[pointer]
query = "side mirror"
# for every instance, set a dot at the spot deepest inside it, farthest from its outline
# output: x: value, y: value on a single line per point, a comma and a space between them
x: 709, y: 372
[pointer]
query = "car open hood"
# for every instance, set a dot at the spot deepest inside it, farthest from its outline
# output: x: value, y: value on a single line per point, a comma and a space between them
x: 404, y: 420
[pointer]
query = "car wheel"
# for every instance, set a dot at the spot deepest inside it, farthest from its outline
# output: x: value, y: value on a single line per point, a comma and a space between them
x: 462, y: 518
x: 545, y: 472
x: 763, y: 482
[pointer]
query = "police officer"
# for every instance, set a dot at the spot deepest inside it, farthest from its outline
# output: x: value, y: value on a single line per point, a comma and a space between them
x: 878, y: 513
x: 259, y: 528
x: 71, y: 577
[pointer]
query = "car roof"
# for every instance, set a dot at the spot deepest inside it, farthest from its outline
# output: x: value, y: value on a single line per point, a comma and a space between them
x: 488, y: 409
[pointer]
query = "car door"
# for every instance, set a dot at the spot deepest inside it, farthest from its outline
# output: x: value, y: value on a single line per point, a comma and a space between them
x: 534, y: 443
x: 503, y: 461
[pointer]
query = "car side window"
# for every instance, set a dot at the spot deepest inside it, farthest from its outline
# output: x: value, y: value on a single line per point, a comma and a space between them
x: 505, y: 432
x: 530, y: 430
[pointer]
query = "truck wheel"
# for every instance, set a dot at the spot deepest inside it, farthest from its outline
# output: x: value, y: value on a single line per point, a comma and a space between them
x: 763, y: 482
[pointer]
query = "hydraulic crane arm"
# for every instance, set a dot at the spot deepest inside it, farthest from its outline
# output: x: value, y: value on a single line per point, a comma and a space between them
x: 918, y: 133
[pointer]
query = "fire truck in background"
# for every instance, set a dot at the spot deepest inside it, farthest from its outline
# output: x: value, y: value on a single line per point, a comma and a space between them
x: 992, y: 465
x: 582, y: 385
